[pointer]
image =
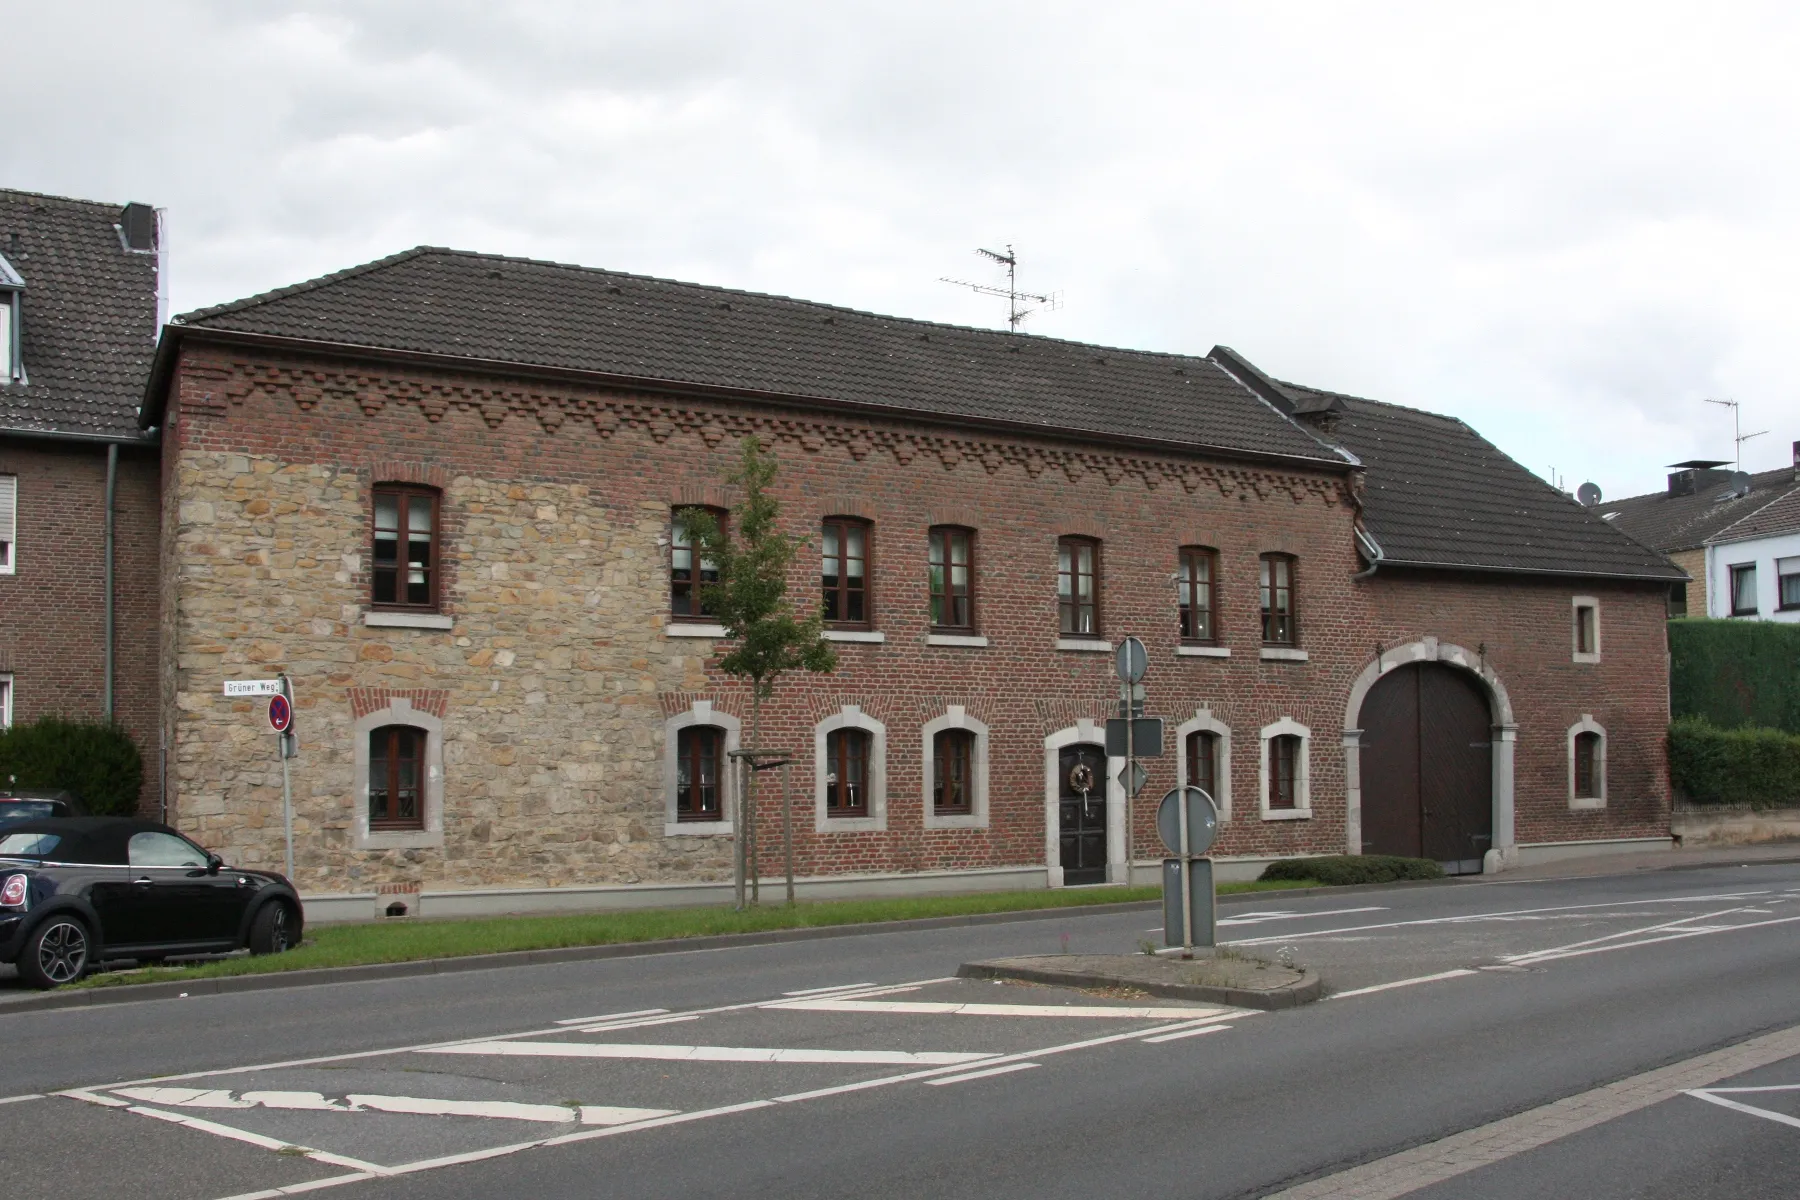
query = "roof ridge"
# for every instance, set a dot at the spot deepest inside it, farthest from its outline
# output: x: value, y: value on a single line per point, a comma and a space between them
x: 1719, y: 535
x: 70, y: 200
x: 305, y: 285
x: 711, y: 288
x: 1754, y: 477
x: 1424, y: 412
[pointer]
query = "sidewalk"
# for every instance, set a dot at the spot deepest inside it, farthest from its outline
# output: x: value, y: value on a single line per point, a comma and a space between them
x: 1665, y: 860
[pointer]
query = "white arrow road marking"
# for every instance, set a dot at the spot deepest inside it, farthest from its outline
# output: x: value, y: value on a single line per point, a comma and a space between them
x: 929, y: 1008
x: 587, y: 1114
x: 1717, y: 1096
x: 708, y: 1053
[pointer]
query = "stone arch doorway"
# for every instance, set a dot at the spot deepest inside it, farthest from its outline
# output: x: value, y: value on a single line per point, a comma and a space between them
x: 1393, y: 776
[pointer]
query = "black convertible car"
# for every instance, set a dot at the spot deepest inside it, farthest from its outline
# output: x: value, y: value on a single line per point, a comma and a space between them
x: 76, y: 890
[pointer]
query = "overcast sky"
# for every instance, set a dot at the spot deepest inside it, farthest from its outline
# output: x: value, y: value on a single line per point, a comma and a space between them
x: 1567, y: 224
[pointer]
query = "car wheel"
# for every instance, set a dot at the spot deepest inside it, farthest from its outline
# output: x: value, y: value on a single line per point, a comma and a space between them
x: 56, y: 953
x: 272, y: 931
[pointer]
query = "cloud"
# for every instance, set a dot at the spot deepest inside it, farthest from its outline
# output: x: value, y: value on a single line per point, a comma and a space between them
x: 1564, y: 223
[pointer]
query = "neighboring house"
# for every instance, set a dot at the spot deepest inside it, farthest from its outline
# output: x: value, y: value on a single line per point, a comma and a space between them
x: 80, y: 489
x: 1753, y: 564
x: 444, y: 492
x: 1700, y: 501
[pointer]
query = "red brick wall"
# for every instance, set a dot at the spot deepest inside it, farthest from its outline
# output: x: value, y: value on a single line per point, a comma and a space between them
x: 52, y: 610
x: 1020, y: 494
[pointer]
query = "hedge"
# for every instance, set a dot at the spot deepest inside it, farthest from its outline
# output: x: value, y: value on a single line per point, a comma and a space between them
x: 1735, y: 673
x: 98, y: 762
x: 1337, y: 869
x: 1709, y: 765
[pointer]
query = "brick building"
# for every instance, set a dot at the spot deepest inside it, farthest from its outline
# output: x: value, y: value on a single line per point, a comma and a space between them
x: 79, y: 479
x: 443, y: 492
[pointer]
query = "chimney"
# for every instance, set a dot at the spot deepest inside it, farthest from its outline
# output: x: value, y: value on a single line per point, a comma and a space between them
x: 1797, y: 462
x: 137, y: 226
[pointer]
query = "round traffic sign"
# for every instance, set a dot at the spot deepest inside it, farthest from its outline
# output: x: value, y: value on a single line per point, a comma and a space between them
x: 281, y: 713
x: 1203, y: 820
x: 1132, y: 660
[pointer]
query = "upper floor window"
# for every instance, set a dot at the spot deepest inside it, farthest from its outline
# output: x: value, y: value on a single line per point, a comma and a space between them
x: 699, y: 759
x: 844, y: 571
x: 847, y: 773
x: 1743, y: 590
x: 10, y: 367
x: 689, y: 570
x: 953, y: 772
x: 1203, y: 762
x: 1194, y: 591
x: 1284, y: 772
x: 396, y: 777
x: 1787, y: 583
x: 1078, y: 586
x: 1280, y: 626
x: 1587, y: 766
x: 1587, y: 629
x: 6, y: 701
x: 9, y: 520
x: 406, y: 547
x: 952, y: 578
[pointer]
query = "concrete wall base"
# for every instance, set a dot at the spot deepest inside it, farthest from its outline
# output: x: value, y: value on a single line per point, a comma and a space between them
x: 1734, y: 825
x: 1532, y: 853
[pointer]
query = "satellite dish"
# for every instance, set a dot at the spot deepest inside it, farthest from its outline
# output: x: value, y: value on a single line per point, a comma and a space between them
x: 1588, y: 494
x: 1740, y: 484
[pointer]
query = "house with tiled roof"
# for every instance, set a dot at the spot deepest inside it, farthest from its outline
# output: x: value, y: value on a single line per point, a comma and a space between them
x: 80, y: 486
x: 445, y: 493
x: 1753, y: 564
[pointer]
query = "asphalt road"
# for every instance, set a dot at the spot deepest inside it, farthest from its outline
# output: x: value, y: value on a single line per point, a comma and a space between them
x: 857, y: 1066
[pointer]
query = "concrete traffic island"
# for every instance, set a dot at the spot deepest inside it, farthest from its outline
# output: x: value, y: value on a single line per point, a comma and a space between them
x: 1233, y: 978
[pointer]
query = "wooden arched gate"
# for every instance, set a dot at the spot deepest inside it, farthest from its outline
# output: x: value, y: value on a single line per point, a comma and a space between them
x: 1427, y: 767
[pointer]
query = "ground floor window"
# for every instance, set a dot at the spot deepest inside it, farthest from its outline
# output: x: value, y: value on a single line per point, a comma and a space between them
x: 1284, y: 771
x: 700, y: 752
x: 1203, y: 762
x: 953, y: 771
x: 396, y: 777
x: 1587, y: 764
x: 847, y: 773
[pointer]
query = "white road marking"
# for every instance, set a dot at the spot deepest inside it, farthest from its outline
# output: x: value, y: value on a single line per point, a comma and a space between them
x: 1471, y: 918
x: 1676, y: 934
x: 1185, y: 1033
x: 256, y: 1139
x: 672, y: 1019
x: 745, y: 1054
x: 836, y: 987
x: 618, y: 1016
x: 1257, y: 918
x: 987, y: 1074
x: 587, y: 1114
x: 1400, y: 983
x: 22, y: 1099
x: 932, y: 1008
x: 1711, y: 1096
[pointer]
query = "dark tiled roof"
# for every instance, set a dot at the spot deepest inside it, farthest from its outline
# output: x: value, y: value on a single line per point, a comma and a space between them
x: 1778, y: 516
x: 450, y: 302
x: 1683, y: 522
x: 1438, y: 494
x: 89, y: 317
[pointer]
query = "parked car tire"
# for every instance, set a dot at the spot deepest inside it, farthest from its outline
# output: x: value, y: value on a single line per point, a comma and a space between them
x: 58, y: 951
x: 272, y: 929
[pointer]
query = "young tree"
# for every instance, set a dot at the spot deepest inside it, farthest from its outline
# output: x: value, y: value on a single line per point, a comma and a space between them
x: 750, y: 600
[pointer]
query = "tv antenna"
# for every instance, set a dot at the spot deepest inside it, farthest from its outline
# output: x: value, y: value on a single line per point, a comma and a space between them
x: 1738, y: 437
x: 1015, y: 314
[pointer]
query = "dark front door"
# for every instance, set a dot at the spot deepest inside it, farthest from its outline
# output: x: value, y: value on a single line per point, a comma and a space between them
x: 1081, y: 771
x: 1427, y: 767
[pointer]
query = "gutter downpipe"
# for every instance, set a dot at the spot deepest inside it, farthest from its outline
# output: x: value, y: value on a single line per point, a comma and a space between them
x: 112, y: 483
x: 1372, y: 551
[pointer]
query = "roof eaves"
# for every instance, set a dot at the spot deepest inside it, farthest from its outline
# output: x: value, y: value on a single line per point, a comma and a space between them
x: 1725, y: 535
x: 1670, y: 574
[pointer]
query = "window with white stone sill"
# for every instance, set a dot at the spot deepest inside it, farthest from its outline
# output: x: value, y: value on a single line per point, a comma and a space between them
x: 679, y: 819
x: 376, y: 775
x: 951, y: 801
x: 835, y: 759
x: 1285, y: 771
x: 1587, y: 764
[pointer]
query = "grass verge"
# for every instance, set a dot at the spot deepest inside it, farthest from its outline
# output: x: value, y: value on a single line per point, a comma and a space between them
x: 411, y: 941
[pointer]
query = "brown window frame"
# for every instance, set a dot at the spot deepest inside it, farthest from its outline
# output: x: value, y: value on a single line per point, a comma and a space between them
x: 838, y: 760
x: 689, y: 754
x: 1074, y: 544
x: 952, y: 747
x: 944, y: 601
x: 1587, y: 765
x: 841, y: 590
x: 1186, y: 587
x: 1284, y: 772
x: 390, y: 789
x: 700, y: 616
x: 1267, y: 593
x: 1207, y: 780
x: 403, y: 492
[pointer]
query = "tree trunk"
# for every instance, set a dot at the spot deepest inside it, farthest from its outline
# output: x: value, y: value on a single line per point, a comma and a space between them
x: 752, y: 850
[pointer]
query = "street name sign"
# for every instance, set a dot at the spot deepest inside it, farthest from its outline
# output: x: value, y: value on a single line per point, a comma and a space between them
x: 253, y: 687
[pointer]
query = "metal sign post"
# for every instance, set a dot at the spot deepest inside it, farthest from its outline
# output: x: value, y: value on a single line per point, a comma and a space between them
x: 281, y: 720
x: 1131, y: 663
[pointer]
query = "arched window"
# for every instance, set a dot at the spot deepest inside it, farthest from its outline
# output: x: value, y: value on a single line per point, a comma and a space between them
x: 953, y: 772
x: 699, y: 766
x: 1286, y: 771
x: 1195, y: 589
x: 1203, y: 761
x: 404, y: 556
x: 397, y: 778
x: 689, y: 572
x: 847, y: 773
x: 1587, y: 763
